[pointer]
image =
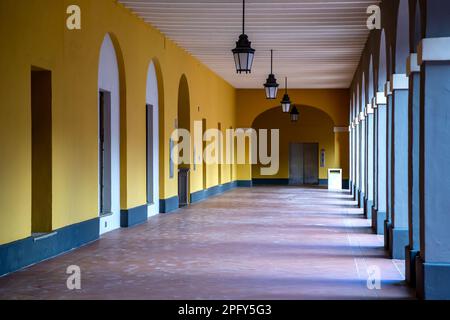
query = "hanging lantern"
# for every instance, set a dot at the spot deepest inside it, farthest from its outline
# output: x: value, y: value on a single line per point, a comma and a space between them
x: 286, y: 102
x: 243, y: 53
x: 271, y: 84
x: 294, y: 114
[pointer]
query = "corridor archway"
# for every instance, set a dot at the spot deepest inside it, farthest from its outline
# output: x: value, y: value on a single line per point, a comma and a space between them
x: 398, y: 229
x: 314, y: 132
x: 184, y: 123
x: 109, y: 97
x: 152, y: 140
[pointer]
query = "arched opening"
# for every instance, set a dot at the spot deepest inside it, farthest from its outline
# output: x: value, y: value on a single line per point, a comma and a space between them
x: 370, y: 141
x: 109, y: 97
x: 152, y: 140
x: 415, y: 186
x: 300, y: 145
x: 184, y: 123
x: 362, y: 143
x: 399, y: 203
x: 357, y: 142
x: 379, y: 215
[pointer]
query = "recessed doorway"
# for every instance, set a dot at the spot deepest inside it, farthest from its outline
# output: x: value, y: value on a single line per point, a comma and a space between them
x: 303, y: 163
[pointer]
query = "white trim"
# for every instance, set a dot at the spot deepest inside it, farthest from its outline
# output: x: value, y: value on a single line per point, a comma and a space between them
x: 362, y: 116
x: 369, y: 109
x: 340, y: 129
x: 374, y: 103
x: 387, y: 89
x: 399, y: 82
x: 434, y: 49
x: 411, y: 64
x: 380, y: 98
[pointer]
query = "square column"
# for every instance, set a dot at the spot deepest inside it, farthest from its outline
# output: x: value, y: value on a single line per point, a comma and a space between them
x: 399, y: 205
x: 379, y: 213
x: 412, y: 249
x: 433, y: 263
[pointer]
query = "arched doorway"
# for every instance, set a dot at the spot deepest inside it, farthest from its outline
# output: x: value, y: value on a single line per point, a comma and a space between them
x: 152, y: 140
x: 109, y: 136
x: 184, y: 123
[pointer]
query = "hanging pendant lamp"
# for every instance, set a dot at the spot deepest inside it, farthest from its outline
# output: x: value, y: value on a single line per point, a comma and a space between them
x: 294, y: 114
x: 271, y: 84
x: 243, y: 53
x: 286, y: 102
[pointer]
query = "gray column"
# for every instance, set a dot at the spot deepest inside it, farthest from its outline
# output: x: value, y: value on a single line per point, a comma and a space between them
x: 412, y: 250
x: 400, y: 179
x: 389, y: 143
x: 433, y: 264
x: 370, y: 167
x: 362, y: 125
x: 381, y: 209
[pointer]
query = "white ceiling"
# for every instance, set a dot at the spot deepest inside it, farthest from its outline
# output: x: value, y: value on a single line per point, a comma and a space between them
x: 317, y: 43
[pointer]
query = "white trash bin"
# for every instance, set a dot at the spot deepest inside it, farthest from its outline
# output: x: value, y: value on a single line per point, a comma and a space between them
x: 335, y: 179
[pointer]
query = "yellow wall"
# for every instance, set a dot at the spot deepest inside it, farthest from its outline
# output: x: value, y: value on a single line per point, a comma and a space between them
x: 331, y: 104
x: 34, y: 34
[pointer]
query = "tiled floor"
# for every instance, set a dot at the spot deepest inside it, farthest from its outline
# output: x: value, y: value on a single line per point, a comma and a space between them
x: 258, y: 243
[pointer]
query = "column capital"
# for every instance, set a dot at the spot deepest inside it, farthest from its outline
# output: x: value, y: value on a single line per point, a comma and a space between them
x: 380, y: 98
x: 433, y: 49
x: 399, y: 81
x: 362, y: 116
x: 369, y: 109
x: 412, y: 65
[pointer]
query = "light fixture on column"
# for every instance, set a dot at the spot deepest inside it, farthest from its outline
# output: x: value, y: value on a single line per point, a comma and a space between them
x: 243, y: 53
x: 271, y: 84
x: 294, y: 114
x: 286, y: 102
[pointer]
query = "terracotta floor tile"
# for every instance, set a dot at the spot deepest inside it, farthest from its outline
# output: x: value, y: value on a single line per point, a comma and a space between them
x: 255, y: 243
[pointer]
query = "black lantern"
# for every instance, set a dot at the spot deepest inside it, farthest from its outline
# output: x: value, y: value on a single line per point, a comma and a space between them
x: 243, y: 53
x: 294, y: 114
x: 271, y: 84
x: 286, y: 102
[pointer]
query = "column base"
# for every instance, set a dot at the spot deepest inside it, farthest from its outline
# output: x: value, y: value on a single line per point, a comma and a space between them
x: 399, y: 239
x: 361, y: 199
x: 378, y: 219
x: 387, y: 233
x: 410, y: 265
x: 368, y: 207
x: 432, y: 280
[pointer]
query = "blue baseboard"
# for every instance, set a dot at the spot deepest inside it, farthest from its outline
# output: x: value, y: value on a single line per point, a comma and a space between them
x: 432, y: 280
x: 244, y: 183
x: 22, y: 253
x: 168, y: 205
x: 133, y: 217
x: 270, y: 182
x: 205, y: 194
